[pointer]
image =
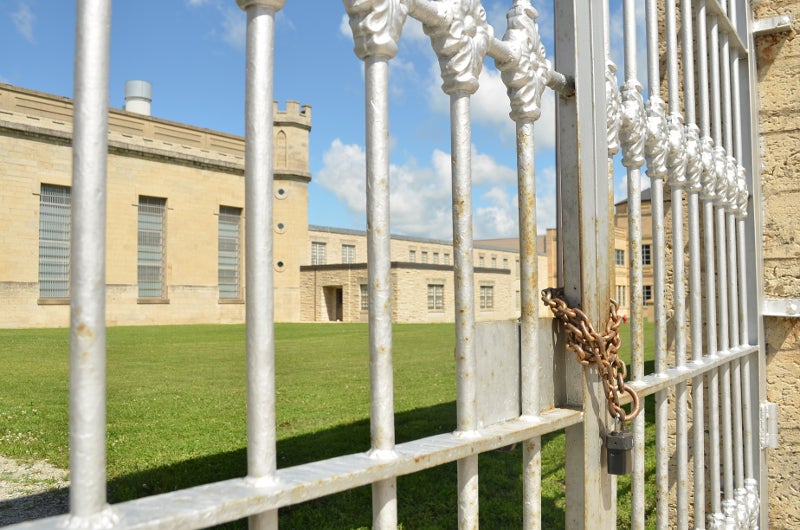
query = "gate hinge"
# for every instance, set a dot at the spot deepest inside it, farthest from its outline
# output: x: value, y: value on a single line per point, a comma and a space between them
x: 768, y: 426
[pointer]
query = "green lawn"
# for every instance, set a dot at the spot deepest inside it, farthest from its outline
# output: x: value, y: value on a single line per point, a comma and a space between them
x: 176, y: 415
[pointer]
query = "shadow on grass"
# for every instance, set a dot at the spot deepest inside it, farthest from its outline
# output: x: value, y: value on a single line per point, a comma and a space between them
x: 427, y: 499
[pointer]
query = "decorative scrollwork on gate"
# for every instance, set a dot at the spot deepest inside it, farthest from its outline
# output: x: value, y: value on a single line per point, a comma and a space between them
x: 613, y: 109
x: 633, y: 129
x: 707, y: 178
x: 694, y: 159
x: 527, y: 72
x: 376, y: 26
x: 461, y: 44
x: 655, y: 144
x: 676, y: 151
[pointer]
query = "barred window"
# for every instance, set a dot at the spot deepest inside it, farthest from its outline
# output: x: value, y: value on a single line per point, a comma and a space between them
x: 646, y: 257
x: 435, y: 297
x: 424, y: 257
x: 54, y: 245
x: 151, y: 251
x: 647, y: 293
x: 619, y: 256
x: 348, y: 253
x: 317, y: 253
x: 229, y: 257
x: 412, y: 256
x: 364, y: 297
x: 487, y: 296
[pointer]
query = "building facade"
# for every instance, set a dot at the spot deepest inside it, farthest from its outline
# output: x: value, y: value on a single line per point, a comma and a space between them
x: 175, y: 229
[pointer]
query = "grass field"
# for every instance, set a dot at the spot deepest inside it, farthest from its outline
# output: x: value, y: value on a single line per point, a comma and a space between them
x: 176, y: 416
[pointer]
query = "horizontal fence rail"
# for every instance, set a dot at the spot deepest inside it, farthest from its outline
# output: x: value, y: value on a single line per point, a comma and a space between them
x: 695, y: 145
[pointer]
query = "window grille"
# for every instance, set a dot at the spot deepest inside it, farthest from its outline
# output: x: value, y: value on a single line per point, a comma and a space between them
x: 647, y: 294
x: 435, y: 297
x: 348, y: 253
x: 54, y: 246
x: 487, y: 297
x: 229, y: 257
x: 151, y: 251
x: 646, y: 255
x: 317, y: 253
x: 364, y: 297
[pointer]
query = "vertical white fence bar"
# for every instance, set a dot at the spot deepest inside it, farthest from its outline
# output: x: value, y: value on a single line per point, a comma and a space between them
x: 693, y: 187
x: 261, y: 430
x: 87, y: 387
x: 460, y: 80
x: 723, y: 259
x: 633, y: 133
x: 376, y: 44
x: 583, y: 180
x: 713, y: 265
x: 525, y: 71
x: 656, y: 152
x: 676, y: 164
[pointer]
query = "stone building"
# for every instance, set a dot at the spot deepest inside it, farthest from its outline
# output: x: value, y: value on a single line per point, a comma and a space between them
x: 175, y: 228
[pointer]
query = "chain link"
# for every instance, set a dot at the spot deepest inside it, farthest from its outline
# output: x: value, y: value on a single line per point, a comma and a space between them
x: 593, y: 347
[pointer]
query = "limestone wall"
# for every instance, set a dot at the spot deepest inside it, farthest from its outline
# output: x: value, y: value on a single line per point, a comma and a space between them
x: 779, y: 119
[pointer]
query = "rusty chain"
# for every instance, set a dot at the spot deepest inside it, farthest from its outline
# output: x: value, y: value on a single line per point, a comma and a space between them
x: 593, y: 347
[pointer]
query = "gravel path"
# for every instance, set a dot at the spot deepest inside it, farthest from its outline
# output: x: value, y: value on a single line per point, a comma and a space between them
x: 31, y: 491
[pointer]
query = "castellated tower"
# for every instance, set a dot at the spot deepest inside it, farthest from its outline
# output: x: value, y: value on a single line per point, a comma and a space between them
x: 290, y: 220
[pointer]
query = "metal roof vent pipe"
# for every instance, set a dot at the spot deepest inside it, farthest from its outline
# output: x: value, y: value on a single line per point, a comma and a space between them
x: 138, y: 96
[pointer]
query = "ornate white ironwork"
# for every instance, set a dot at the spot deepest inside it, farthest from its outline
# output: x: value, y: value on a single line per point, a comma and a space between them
x: 708, y: 177
x: 676, y: 151
x: 694, y: 159
x: 731, y: 187
x: 655, y: 147
x: 720, y: 194
x: 461, y: 44
x: 633, y: 129
x: 613, y: 109
x: 527, y: 72
x: 376, y: 26
x: 742, y: 195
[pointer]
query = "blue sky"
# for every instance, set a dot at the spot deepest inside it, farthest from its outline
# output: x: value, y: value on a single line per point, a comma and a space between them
x: 192, y: 51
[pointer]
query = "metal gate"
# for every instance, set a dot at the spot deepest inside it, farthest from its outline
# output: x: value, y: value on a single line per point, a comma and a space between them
x: 698, y: 146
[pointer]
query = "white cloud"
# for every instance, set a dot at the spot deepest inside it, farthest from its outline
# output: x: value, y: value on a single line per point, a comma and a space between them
x: 421, y: 194
x: 23, y: 19
x: 234, y: 27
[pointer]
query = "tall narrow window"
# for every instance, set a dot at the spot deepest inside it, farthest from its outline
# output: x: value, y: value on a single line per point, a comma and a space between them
x: 646, y: 257
x: 436, y: 257
x: 619, y: 256
x: 364, y: 297
x: 151, y: 253
x: 435, y: 297
x: 54, y: 230
x: 487, y: 296
x: 412, y: 256
x: 494, y: 262
x: 348, y: 253
x: 446, y: 258
x: 317, y: 253
x: 481, y: 260
x: 647, y: 294
x: 621, y: 295
x: 229, y: 256
x: 424, y: 257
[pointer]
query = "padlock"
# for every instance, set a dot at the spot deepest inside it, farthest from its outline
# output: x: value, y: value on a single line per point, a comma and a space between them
x: 618, y: 451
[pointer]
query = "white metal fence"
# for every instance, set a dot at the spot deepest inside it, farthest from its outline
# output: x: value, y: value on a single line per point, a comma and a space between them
x: 698, y: 143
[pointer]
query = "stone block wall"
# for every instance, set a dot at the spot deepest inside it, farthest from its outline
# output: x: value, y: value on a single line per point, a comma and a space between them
x: 778, y: 62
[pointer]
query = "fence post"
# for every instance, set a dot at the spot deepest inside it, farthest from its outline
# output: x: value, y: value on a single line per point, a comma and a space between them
x: 584, y: 202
